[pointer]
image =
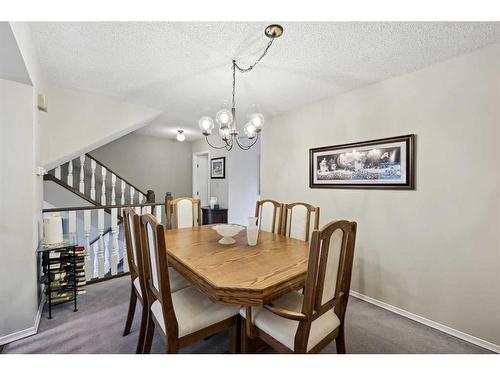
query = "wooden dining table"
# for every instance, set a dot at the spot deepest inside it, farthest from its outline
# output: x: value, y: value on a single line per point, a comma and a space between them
x: 238, y: 273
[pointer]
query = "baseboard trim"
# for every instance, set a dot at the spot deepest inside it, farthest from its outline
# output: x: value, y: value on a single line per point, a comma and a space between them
x: 40, y: 309
x: 440, y: 327
x: 28, y: 331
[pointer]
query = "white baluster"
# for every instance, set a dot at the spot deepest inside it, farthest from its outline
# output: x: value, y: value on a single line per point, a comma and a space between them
x: 72, y: 223
x: 89, y: 264
x: 107, y: 253
x: 114, y: 229
x: 82, y: 175
x: 113, y: 189
x: 158, y: 213
x: 96, y: 258
x: 100, y: 247
x: 92, y: 181
x: 57, y: 173
x: 122, y: 185
x: 103, y: 186
x: 70, y: 173
x: 125, y: 260
x: 132, y: 192
x: 125, y: 256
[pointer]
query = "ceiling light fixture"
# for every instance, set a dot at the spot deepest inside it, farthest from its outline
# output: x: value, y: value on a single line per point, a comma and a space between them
x: 226, y: 118
x: 181, y: 137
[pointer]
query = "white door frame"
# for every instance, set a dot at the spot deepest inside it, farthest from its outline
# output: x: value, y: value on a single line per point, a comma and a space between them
x: 195, y: 156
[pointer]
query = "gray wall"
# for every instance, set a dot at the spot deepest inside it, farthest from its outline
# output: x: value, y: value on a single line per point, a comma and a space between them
x: 150, y: 162
x: 434, y: 252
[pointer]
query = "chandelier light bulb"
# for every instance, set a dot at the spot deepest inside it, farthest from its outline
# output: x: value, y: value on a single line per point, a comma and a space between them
x: 257, y: 120
x: 180, y: 137
x: 225, y: 133
x: 206, y: 125
x: 250, y: 130
x: 224, y: 118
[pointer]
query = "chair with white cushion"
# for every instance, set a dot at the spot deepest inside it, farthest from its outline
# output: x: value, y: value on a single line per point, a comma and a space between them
x: 306, y: 323
x: 268, y: 213
x: 182, y: 317
x: 186, y: 212
x: 131, y: 222
x: 299, y: 220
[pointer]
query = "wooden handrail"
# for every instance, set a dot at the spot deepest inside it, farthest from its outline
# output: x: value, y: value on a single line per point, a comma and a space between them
x: 49, y: 177
x: 109, y: 206
x: 116, y: 174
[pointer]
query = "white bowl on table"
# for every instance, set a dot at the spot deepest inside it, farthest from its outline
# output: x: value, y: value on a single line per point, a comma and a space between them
x: 227, y: 231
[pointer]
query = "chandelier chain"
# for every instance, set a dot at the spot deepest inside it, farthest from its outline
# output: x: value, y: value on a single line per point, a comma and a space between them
x: 264, y: 53
x: 250, y: 67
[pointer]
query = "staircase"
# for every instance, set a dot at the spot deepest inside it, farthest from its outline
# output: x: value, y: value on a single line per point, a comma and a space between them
x: 94, y: 197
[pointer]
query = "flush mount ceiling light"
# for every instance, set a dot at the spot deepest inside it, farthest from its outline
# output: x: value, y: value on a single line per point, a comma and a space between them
x: 181, y: 137
x: 226, y: 118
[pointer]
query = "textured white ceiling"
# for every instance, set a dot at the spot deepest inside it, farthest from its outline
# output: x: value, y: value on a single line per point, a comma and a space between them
x: 184, y: 69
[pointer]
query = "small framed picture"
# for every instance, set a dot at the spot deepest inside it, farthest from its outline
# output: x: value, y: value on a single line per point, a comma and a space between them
x: 387, y: 163
x: 218, y: 167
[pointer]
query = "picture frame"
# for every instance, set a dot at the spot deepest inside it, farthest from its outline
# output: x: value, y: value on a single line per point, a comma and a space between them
x: 218, y: 168
x: 386, y: 163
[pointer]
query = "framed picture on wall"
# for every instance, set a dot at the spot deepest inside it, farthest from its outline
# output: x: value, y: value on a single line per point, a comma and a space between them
x: 379, y: 164
x: 218, y: 167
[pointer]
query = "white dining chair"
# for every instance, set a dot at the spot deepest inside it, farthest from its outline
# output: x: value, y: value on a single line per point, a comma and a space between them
x: 306, y: 323
x: 181, y: 317
x: 185, y: 212
x: 299, y: 220
x: 269, y: 215
x: 131, y: 221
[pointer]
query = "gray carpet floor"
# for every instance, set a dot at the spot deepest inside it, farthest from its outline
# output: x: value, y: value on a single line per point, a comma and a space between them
x: 97, y: 328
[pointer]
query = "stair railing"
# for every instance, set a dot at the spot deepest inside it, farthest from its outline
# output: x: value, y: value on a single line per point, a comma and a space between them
x: 103, y: 257
x: 103, y: 188
x: 88, y: 187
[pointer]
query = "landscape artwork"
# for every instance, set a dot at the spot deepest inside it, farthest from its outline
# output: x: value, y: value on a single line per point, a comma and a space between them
x: 384, y: 163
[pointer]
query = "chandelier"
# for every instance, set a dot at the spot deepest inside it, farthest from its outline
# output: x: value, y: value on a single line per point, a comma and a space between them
x: 226, y: 118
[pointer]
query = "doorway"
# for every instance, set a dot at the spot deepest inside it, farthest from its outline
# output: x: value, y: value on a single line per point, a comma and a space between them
x: 201, y: 177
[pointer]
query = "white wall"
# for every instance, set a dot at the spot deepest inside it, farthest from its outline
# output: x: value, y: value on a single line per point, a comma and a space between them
x: 243, y: 183
x: 218, y: 187
x: 150, y: 162
x: 239, y: 191
x: 22, y: 33
x: 12, y: 66
x: 21, y: 194
x: 18, y: 273
x: 435, y: 251
x: 78, y: 122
